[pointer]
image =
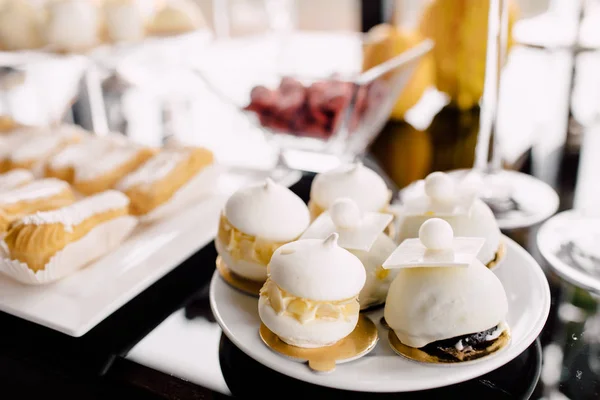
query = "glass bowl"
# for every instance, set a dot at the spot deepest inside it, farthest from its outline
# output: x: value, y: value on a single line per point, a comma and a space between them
x: 333, y: 113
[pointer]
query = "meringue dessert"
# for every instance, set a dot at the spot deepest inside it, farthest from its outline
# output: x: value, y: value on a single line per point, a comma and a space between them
x: 125, y: 20
x: 73, y: 25
x: 36, y: 238
x: 442, y: 197
x: 255, y: 221
x: 444, y: 305
x: 177, y: 17
x: 15, y: 178
x: 158, y: 179
x: 299, y: 303
x: 96, y: 176
x: 20, y: 26
x: 354, y: 181
x: 41, y: 195
x: 363, y: 234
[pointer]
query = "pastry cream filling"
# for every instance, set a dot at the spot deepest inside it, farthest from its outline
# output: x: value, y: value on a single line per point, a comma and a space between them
x: 305, y: 310
x: 245, y: 247
x: 381, y: 273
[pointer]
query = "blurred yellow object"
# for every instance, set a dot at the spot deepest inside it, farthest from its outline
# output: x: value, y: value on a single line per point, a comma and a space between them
x: 459, y: 29
x: 386, y: 41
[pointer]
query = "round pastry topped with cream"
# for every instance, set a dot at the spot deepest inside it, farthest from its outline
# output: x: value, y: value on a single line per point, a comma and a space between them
x: 73, y: 25
x: 441, y: 309
x: 255, y: 221
x: 354, y: 181
x: 363, y: 234
x: 440, y: 196
x: 125, y: 20
x: 310, y: 299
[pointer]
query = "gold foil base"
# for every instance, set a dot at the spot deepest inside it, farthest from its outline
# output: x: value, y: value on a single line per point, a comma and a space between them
x: 500, y: 254
x: 237, y: 282
x: 323, y: 359
x: 419, y: 355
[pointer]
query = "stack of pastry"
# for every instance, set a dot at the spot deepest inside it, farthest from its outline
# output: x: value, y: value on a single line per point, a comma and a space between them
x: 46, y: 171
x: 80, y: 25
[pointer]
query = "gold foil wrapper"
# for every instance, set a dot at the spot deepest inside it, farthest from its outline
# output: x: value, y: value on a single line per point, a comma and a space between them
x: 237, y: 282
x: 419, y: 355
x: 324, y: 359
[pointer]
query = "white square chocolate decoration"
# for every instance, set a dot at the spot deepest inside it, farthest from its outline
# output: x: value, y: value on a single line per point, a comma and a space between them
x: 435, y: 247
x: 356, y: 230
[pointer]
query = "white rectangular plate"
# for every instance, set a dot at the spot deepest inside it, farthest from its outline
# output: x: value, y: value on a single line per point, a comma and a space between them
x: 79, y: 302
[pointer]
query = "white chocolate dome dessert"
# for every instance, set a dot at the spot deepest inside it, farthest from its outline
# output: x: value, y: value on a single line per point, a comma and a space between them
x: 20, y: 26
x: 444, y: 305
x: 310, y: 299
x: 440, y: 196
x: 256, y: 220
x: 73, y: 25
x: 125, y: 20
x: 354, y: 181
x: 363, y: 234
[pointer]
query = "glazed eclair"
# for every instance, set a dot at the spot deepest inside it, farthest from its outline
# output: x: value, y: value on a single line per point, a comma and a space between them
x: 40, y: 195
x: 15, y: 178
x: 98, y: 175
x: 63, y: 164
x: 33, y: 153
x: 159, y: 178
x: 36, y: 238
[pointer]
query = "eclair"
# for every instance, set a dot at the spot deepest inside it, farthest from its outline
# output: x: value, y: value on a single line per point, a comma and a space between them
x: 15, y: 178
x: 36, y: 238
x: 32, y: 154
x: 41, y: 195
x: 63, y: 164
x: 96, y: 176
x: 158, y: 179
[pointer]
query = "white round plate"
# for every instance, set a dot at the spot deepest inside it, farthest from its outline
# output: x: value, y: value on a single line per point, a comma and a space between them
x: 554, y: 239
x: 382, y: 370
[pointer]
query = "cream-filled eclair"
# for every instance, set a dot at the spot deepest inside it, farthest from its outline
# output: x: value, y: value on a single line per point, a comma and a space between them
x: 255, y: 221
x: 439, y: 196
x: 15, y: 178
x: 62, y: 165
x: 34, y: 239
x: 310, y: 299
x: 156, y: 181
x: 98, y: 175
x: 32, y: 154
x: 444, y: 305
x: 41, y: 195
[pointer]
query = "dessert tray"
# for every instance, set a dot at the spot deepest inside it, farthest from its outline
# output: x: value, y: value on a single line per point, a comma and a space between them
x: 77, y: 303
x: 381, y: 370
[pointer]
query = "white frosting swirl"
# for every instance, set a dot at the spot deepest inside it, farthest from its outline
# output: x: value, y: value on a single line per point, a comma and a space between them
x: 269, y: 211
x: 354, y: 181
x: 317, y: 270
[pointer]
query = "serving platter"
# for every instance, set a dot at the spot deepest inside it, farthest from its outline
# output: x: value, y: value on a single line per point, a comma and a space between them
x: 382, y: 370
x: 77, y: 303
